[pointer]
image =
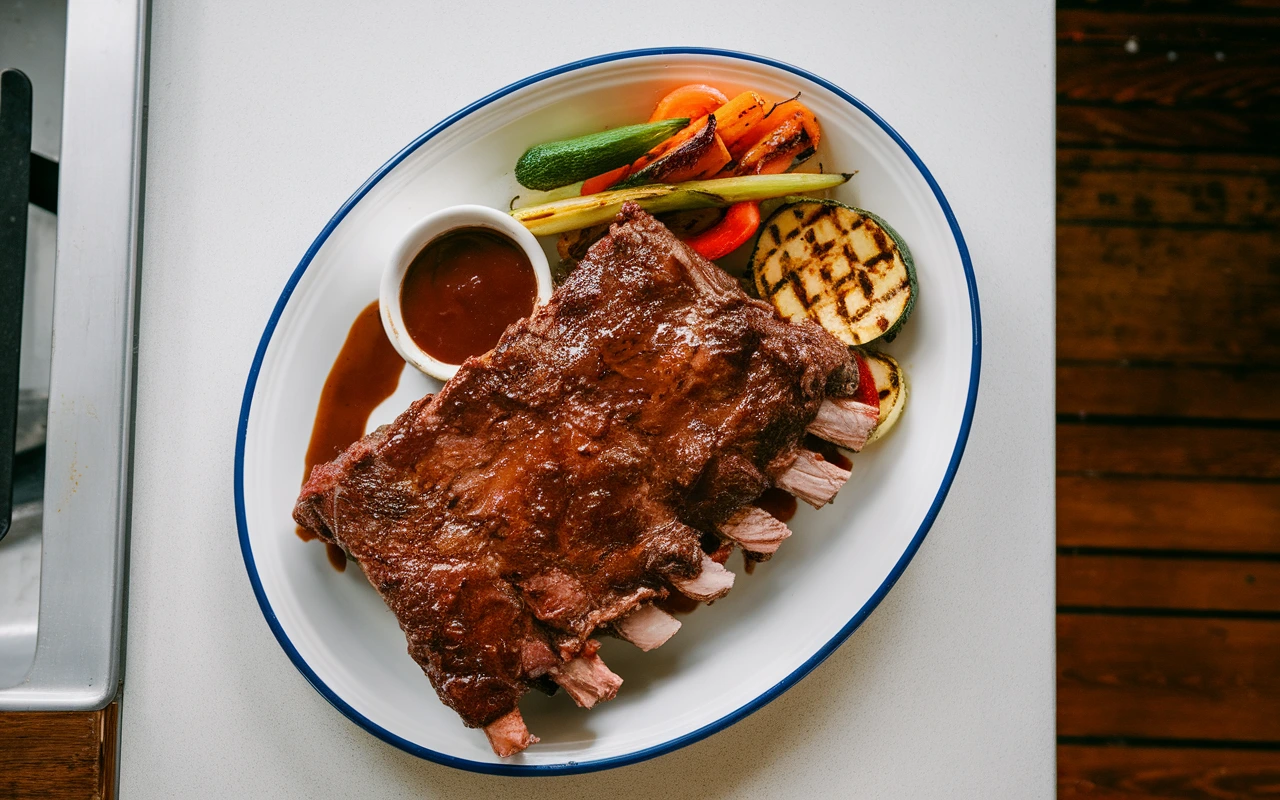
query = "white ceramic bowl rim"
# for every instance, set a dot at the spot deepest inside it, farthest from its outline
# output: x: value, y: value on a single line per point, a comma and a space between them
x: 784, y: 684
x: 418, y: 236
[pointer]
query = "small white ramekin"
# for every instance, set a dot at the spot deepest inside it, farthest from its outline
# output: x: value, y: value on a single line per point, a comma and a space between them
x: 422, y: 234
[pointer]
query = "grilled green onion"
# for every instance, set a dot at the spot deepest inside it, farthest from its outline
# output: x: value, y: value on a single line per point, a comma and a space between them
x: 575, y: 213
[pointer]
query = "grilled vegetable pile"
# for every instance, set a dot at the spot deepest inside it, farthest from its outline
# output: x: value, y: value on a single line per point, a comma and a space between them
x: 704, y: 153
x: 695, y: 133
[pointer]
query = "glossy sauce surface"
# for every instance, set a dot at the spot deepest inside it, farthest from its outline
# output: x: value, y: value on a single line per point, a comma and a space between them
x: 364, y: 374
x: 463, y: 290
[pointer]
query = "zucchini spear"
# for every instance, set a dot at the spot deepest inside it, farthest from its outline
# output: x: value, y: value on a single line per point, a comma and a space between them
x: 554, y: 164
x: 575, y: 213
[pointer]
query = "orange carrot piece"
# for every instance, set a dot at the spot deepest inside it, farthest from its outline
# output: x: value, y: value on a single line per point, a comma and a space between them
x: 716, y: 157
x: 683, y: 135
x: 759, y: 132
x: 810, y: 123
x: 601, y: 182
x: 777, y: 116
x: 776, y: 165
x: 736, y: 117
x: 693, y: 100
x: 783, y: 143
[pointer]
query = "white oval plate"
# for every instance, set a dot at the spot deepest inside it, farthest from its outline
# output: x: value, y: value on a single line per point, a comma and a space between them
x: 776, y: 624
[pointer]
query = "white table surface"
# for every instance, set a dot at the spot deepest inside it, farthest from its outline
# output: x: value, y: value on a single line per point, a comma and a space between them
x: 264, y: 119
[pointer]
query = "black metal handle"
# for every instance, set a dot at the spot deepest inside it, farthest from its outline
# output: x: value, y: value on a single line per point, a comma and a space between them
x: 15, y: 177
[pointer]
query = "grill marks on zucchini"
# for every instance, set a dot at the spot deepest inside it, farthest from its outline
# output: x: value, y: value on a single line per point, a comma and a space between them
x: 839, y: 266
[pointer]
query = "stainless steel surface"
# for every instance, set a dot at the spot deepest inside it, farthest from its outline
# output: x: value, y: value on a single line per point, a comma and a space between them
x: 19, y: 593
x: 33, y: 408
x: 77, y: 657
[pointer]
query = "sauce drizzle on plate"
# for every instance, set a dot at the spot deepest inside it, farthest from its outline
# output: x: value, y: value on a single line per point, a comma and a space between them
x: 364, y: 374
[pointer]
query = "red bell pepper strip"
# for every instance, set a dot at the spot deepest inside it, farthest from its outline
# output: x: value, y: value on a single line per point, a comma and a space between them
x: 867, y: 391
x: 739, y: 224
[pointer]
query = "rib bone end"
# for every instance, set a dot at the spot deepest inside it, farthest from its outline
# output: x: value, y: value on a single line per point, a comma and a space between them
x: 587, y: 680
x: 756, y: 530
x: 712, y: 583
x: 845, y: 422
x: 813, y: 479
x: 508, y: 734
x: 647, y: 627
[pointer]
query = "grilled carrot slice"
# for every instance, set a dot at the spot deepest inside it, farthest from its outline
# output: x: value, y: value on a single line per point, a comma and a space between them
x: 775, y: 152
x: 784, y: 113
x: 616, y: 176
x: 692, y: 101
x: 711, y: 162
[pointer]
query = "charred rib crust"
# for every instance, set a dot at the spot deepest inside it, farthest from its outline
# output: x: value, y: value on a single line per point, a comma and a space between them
x: 563, y: 478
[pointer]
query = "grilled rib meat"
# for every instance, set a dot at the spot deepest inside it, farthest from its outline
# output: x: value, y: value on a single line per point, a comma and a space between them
x: 562, y: 481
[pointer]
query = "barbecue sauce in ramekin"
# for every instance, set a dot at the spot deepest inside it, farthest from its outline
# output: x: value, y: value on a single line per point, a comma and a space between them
x: 463, y: 290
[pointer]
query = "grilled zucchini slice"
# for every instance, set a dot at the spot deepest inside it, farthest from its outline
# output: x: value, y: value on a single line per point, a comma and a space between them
x: 837, y: 265
x: 891, y: 385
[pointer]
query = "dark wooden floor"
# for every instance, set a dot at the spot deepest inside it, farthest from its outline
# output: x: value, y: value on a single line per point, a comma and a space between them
x: 1169, y: 416
x: 58, y: 755
x: 1169, y: 399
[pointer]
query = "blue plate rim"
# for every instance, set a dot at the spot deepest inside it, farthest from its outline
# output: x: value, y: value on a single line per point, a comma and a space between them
x: 572, y: 767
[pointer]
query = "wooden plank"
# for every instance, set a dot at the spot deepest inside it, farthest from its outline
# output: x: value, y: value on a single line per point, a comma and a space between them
x: 1123, y: 581
x: 1242, y: 8
x: 1169, y: 451
x: 1188, y: 76
x: 108, y: 763
x: 1200, y: 129
x: 57, y: 754
x: 1163, y: 773
x: 1168, y: 677
x: 1168, y: 295
x: 1169, y: 390
x: 1079, y: 160
x: 1155, y: 30
x: 1140, y: 195
x: 1169, y: 515
x: 1169, y: 198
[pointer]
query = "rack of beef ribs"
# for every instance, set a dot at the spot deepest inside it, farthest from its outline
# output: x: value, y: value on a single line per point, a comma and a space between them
x: 561, y: 483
